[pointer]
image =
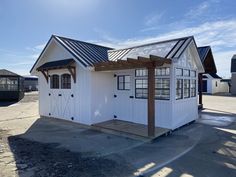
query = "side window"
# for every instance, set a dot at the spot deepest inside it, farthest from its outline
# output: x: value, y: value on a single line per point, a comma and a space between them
x: 54, y: 81
x: 186, y: 88
x: 66, y: 81
x: 123, y: 82
x: 179, y: 89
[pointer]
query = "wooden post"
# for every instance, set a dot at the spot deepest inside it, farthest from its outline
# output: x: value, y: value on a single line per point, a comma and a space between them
x: 200, y: 89
x: 151, y: 101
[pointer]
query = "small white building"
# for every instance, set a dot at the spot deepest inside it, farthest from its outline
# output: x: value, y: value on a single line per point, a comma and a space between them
x: 212, y: 83
x: 152, y: 84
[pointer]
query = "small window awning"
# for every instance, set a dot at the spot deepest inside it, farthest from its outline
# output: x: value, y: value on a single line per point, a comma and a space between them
x: 60, y: 64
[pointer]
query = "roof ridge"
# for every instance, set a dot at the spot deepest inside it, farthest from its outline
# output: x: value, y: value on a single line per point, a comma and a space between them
x: 82, y: 41
x: 151, y: 43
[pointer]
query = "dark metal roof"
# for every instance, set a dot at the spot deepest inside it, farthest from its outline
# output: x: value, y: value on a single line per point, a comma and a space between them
x: 233, y: 64
x: 207, y: 59
x: 166, y: 49
x: 203, y: 51
x: 85, y: 52
x: 214, y: 75
x: 56, y: 64
x: 4, y: 72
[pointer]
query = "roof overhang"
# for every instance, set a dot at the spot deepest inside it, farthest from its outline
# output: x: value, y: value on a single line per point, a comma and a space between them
x: 60, y: 64
x: 130, y: 63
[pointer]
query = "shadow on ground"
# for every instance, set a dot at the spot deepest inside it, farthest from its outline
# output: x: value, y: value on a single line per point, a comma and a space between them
x: 7, y: 103
x: 37, y: 154
x: 48, y: 160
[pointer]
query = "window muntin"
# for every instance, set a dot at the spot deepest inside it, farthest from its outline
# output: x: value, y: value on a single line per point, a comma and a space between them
x: 66, y: 81
x: 141, y: 72
x: 193, y: 88
x: 54, y: 81
x: 141, y: 86
x: 162, y: 89
x: 186, y: 88
x: 123, y: 82
x: 162, y: 71
x: 179, y: 72
x: 186, y: 72
x: 193, y: 73
x: 179, y: 89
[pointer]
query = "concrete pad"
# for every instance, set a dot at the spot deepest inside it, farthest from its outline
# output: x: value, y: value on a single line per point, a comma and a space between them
x: 78, y: 138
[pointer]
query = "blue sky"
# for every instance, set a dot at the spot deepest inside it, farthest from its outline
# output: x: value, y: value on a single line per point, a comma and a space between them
x: 26, y: 26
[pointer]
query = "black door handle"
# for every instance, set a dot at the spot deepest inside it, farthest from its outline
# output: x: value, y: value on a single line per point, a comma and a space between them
x: 59, y: 94
x: 131, y: 96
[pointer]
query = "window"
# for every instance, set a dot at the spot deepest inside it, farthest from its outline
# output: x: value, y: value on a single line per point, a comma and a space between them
x: 193, y: 88
x: 193, y: 73
x: 186, y: 88
x: 123, y: 82
x: 54, y: 81
x: 179, y: 72
x: 186, y: 72
x: 141, y: 72
x: 162, y: 71
x: 141, y: 86
x: 8, y: 84
x: 216, y: 83
x: 66, y: 81
x: 179, y: 89
x: 162, y: 89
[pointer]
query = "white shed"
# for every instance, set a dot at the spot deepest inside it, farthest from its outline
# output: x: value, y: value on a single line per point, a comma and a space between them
x: 212, y: 83
x: 152, y: 84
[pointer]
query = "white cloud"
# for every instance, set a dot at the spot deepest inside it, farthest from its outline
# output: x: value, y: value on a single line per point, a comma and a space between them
x: 153, y: 19
x: 220, y: 35
x: 199, y: 10
x: 36, y: 48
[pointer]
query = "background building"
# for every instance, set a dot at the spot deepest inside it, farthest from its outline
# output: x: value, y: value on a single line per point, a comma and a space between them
x: 11, y: 86
x: 30, y: 83
x: 233, y: 77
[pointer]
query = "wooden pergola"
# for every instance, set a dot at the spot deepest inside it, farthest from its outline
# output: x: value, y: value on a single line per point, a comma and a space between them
x: 150, y: 63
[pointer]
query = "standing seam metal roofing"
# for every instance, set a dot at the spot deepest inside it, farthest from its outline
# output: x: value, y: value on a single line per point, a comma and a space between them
x: 166, y: 49
x: 86, y: 53
x: 4, y: 72
x: 203, y: 51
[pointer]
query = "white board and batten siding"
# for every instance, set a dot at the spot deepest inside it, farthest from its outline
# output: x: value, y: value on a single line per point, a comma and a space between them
x: 185, y: 110
x: 94, y: 93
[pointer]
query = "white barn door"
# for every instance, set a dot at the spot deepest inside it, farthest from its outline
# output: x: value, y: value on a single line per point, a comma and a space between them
x: 123, y: 98
x: 62, y: 102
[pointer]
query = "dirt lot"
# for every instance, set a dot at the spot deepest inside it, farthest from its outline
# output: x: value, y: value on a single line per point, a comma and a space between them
x: 30, y: 146
x: 22, y: 157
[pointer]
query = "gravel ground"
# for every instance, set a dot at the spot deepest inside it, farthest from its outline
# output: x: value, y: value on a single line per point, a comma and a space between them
x: 21, y: 157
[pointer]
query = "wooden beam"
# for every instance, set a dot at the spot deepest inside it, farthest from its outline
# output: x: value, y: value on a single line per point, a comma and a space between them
x: 72, y: 71
x: 151, y: 101
x: 45, y: 74
x: 160, y: 60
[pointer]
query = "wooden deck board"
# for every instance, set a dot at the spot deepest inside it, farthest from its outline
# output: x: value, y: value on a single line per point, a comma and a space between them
x: 130, y: 128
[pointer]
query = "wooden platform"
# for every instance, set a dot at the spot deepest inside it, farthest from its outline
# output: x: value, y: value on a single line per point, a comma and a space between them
x: 130, y: 128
